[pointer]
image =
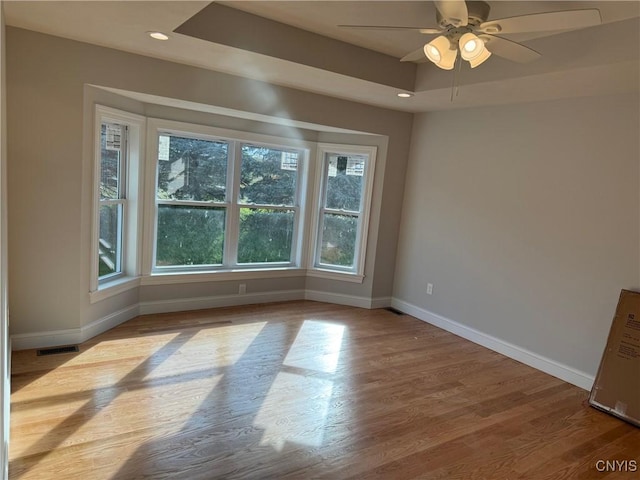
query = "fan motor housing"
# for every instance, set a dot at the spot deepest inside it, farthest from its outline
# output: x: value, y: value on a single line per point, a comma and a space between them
x: 478, y: 13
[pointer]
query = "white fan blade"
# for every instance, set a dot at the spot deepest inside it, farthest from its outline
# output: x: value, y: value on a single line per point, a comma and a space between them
x: 543, y: 22
x: 510, y: 50
x: 454, y: 11
x: 425, y: 30
x: 415, y: 56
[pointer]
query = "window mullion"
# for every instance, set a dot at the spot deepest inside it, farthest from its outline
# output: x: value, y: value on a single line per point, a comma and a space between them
x: 346, y: 213
x: 112, y: 201
x: 268, y: 207
x: 322, y: 208
x: 123, y: 180
x: 190, y: 203
x: 233, y: 222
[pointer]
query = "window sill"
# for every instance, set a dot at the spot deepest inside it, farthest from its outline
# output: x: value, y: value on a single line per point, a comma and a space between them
x: 115, y: 287
x: 124, y: 284
x: 220, y: 275
x: 335, y: 275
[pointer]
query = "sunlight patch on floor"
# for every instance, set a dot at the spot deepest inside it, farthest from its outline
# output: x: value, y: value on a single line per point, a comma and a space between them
x: 296, y: 407
x: 98, y: 420
x: 221, y: 347
x: 316, y: 347
x: 295, y: 410
x: 78, y: 380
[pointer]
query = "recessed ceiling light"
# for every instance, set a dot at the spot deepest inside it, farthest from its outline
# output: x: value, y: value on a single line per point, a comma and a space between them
x: 405, y: 95
x: 158, y: 35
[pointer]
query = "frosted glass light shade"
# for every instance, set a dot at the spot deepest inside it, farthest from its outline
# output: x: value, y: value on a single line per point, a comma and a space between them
x: 484, y: 55
x: 471, y: 46
x: 441, y: 52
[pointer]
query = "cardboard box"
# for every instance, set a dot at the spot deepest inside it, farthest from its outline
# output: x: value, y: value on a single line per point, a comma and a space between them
x: 616, y: 389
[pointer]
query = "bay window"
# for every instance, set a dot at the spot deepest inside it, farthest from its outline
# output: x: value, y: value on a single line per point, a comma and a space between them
x: 221, y: 201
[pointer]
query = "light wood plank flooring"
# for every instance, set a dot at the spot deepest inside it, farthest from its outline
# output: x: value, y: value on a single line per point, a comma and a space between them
x: 300, y: 390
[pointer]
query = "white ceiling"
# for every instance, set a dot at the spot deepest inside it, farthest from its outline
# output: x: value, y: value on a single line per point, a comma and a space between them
x: 591, y: 61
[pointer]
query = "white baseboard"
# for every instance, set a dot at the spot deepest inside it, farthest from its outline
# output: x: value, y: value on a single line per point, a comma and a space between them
x: 179, y: 305
x: 106, y: 323
x: 72, y: 336
x: 55, y: 338
x: 78, y: 335
x: 349, y: 300
x: 199, y: 303
x: 380, y: 302
x: 539, y: 362
x: 337, y: 298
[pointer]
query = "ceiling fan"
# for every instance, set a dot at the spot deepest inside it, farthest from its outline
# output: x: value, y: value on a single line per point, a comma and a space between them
x: 464, y: 26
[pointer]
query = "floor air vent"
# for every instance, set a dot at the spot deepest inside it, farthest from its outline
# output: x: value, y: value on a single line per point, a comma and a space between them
x: 57, y: 350
x: 393, y: 310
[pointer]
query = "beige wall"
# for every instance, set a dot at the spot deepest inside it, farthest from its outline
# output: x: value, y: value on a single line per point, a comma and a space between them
x: 49, y: 171
x: 525, y: 219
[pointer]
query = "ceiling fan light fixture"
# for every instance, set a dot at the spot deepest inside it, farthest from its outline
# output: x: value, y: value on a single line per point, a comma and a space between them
x: 432, y: 53
x: 471, y: 46
x: 480, y: 59
x: 441, y: 52
x: 463, y: 25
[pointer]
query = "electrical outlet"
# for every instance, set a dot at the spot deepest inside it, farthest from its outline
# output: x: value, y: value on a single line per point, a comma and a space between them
x: 242, y: 289
x: 429, y: 288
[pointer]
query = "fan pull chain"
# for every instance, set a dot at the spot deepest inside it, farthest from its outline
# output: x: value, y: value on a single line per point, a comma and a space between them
x: 455, y: 83
x: 459, y: 76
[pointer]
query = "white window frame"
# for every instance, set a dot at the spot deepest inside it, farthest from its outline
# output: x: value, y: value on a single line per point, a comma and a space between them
x: 297, y: 207
x: 153, y: 157
x: 316, y: 268
x: 132, y: 205
x: 235, y: 139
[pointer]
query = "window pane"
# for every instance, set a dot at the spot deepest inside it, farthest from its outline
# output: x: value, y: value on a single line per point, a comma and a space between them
x: 189, y: 235
x: 110, y: 160
x: 344, y: 181
x: 265, y: 235
x: 191, y: 169
x: 338, y: 240
x: 109, y: 244
x: 268, y: 176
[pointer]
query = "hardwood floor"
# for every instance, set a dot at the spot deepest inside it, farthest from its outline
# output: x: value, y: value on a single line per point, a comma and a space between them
x: 300, y: 390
